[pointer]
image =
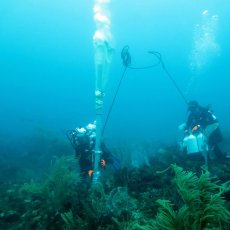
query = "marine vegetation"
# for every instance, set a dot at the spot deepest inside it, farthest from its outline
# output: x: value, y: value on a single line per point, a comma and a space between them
x: 143, y: 197
x: 202, y: 205
x: 44, y: 200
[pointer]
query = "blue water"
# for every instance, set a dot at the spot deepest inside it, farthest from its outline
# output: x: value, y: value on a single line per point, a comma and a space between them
x: 47, y: 66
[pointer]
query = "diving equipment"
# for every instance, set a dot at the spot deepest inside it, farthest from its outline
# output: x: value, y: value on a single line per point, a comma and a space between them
x: 195, y: 143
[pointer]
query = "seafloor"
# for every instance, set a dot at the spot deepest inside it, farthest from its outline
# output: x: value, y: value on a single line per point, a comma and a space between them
x: 41, y: 188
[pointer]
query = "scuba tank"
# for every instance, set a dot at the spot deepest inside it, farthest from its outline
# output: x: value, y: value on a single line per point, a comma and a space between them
x: 191, y: 144
x: 201, y: 142
x: 195, y: 143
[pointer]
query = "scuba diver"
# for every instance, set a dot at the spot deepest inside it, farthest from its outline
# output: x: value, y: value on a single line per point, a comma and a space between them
x: 202, y: 131
x: 83, y: 142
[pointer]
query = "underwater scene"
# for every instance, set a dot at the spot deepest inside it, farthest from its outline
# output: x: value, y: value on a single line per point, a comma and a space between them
x: 114, y: 115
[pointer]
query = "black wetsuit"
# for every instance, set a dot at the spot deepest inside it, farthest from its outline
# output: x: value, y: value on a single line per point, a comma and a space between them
x: 84, y: 148
x: 84, y: 153
x: 204, y: 118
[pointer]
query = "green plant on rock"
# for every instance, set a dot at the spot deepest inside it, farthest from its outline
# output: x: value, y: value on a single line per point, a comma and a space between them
x: 203, y: 206
x: 119, y: 202
x: 98, y: 200
x: 61, y: 180
x: 72, y: 222
x: 44, y: 199
x: 69, y: 220
x: 35, y: 188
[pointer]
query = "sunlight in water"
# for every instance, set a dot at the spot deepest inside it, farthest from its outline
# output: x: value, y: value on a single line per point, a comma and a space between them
x: 205, y: 47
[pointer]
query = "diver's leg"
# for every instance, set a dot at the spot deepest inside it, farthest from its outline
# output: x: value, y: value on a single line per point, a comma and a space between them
x: 205, y: 156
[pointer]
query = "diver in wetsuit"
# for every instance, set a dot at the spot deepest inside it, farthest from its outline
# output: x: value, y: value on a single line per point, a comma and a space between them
x: 83, y: 141
x: 202, y: 118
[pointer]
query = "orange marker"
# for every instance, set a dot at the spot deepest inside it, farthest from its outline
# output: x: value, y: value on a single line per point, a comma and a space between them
x: 90, y: 172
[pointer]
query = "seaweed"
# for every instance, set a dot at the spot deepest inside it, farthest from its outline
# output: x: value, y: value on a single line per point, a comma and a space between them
x: 203, y: 204
x: 44, y: 201
x: 135, y: 198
